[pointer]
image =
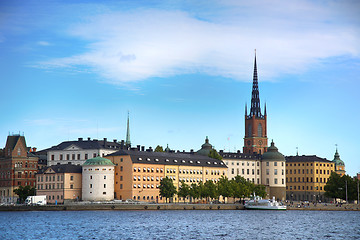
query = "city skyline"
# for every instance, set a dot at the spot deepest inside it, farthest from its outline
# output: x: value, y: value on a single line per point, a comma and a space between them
x: 184, y: 71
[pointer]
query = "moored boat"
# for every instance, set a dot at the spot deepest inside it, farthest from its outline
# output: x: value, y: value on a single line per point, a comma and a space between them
x: 264, y: 204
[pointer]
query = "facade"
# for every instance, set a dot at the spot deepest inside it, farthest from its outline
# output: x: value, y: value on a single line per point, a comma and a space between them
x: 255, y: 140
x: 18, y: 167
x: 60, y: 183
x: 339, y: 164
x: 98, y: 180
x: 138, y: 173
x: 77, y: 152
x: 306, y: 177
x: 273, y: 173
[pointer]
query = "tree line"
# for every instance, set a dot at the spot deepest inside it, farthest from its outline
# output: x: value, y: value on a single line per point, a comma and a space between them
x: 337, y: 186
x: 237, y: 188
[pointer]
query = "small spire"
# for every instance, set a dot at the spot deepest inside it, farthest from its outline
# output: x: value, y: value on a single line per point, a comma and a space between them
x: 297, y: 151
x: 255, y: 100
x: 245, y: 109
x: 265, y: 110
x: 128, y: 142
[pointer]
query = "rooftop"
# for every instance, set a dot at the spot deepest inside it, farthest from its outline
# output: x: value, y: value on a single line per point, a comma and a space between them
x: 306, y: 158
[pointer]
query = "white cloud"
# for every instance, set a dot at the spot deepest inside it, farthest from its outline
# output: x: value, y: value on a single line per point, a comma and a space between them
x: 43, y: 43
x: 134, y: 45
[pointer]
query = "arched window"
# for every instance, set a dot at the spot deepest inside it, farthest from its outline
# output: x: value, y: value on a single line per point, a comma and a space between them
x: 249, y: 131
x: 259, y: 130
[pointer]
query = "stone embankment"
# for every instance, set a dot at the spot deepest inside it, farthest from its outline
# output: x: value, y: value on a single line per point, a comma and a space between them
x: 115, y: 206
x: 324, y: 207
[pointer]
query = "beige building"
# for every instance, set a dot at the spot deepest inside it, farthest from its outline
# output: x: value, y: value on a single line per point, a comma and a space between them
x: 98, y: 180
x: 60, y: 183
x: 267, y: 169
x: 138, y: 173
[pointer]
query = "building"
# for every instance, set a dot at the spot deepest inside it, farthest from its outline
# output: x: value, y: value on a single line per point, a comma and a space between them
x: 255, y: 140
x: 273, y: 173
x: 138, y: 173
x: 77, y: 152
x: 18, y: 167
x: 60, y: 183
x: 306, y: 177
x: 98, y: 180
x: 339, y: 164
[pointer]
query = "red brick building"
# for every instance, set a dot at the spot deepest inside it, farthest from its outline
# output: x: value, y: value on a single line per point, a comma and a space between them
x: 18, y: 167
x: 255, y: 140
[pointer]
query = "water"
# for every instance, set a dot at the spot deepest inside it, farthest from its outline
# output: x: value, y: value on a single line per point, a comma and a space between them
x: 187, y: 224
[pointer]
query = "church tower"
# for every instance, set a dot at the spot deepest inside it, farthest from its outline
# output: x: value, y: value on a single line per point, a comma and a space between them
x: 255, y: 140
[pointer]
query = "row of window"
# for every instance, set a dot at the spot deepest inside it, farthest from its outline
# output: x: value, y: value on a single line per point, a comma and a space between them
x: 275, y: 181
x: 58, y: 197
x: 20, y: 165
x: 98, y: 169
x: 243, y: 163
x: 50, y: 186
x: 182, y: 161
x: 307, y: 164
x: 146, y: 178
x: 148, y: 170
x: 145, y: 186
x: 303, y: 188
x: 307, y: 171
x: 275, y: 172
x: 321, y: 180
x: 72, y: 156
x: 91, y: 186
x: 52, y: 178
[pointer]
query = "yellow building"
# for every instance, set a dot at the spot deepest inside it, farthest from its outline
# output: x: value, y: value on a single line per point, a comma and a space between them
x: 138, y: 173
x: 60, y: 183
x: 306, y: 177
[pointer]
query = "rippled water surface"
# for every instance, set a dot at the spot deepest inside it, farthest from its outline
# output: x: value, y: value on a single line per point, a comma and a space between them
x: 198, y: 224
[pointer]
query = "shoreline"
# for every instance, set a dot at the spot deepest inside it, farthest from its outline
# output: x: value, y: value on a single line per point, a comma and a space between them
x: 168, y: 206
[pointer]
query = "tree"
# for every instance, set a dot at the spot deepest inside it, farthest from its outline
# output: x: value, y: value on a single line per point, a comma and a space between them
x: 336, y: 187
x: 214, y: 154
x: 210, y: 190
x: 184, y: 190
x: 260, y: 190
x: 224, y: 187
x: 24, y: 192
x: 167, y: 188
x: 194, y: 191
x: 159, y: 149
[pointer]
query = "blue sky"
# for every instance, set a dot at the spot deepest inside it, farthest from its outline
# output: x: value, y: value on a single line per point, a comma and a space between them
x: 184, y: 70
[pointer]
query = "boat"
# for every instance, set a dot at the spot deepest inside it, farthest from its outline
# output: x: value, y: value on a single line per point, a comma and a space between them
x: 264, y: 204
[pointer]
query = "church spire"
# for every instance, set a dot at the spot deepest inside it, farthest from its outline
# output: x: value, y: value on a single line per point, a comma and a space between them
x: 128, y: 143
x: 255, y: 100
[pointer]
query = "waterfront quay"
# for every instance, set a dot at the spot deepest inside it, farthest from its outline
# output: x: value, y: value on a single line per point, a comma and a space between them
x: 170, y: 206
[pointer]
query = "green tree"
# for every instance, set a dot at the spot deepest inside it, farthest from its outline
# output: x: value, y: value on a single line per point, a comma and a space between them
x: 224, y: 187
x: 214, y: 154
x: 335, y: 187
x: 194, y: 191
x: 24, y: 192
x: 184, y: 190
x: 210, y: 190
x: 260, y: 190
x: 167, y: 188
x: 159, y: 149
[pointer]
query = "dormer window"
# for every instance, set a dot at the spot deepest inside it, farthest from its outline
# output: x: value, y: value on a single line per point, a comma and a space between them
x: 191, y: 161
x: 148, y: 159
x: 175, y: 160
x: 140, y: 159
x: 18, y: 152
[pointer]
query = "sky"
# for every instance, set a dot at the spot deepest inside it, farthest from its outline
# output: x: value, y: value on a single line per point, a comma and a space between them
x: 183, y: 70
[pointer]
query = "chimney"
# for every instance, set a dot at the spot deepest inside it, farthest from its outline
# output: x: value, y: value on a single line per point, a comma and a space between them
x: 80, y: 139
x: 238, y: 151
x: 89, y: 138
x: 95, y: 140
x: 138, y: 147
x: 191, y: 151
x: 34, y: 149
x: 142, y: 148
x: 115, y: 140
x: 105, y: 142
x: 150, y: 148
x: 122, y: 144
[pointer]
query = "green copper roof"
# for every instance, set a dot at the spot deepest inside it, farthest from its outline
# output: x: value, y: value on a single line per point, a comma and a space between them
x: 337, y: 159
x: 273, y: 154
x: 205, y: 148
x: 99, y: 161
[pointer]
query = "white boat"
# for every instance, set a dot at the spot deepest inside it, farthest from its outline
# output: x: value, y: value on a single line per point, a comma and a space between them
x: 264, y: 204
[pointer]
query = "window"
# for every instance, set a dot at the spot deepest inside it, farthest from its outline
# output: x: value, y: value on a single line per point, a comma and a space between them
x: 232, y: 171
x: 104, y: 193
x: 67, y: 156
x: 52, y: 157
x: 267, y: 181
x: 267, y: 171
x: 78, y: 156
x: 104, y: 177
x: 248, y: 171
x: 275, y: 163
x: 259, y: 130
x: 71, y: 178
x: 71, y: 186
x: 267, y: 164
x: 275, y: 181
x: 73, y: 156
x: 90, y: 185
x: 121, y: 160
x: 275, y: 172
x: 94, y: 155
x: 121, y: 168
x: 104, y: 185
x: 121, y: 186
x: 249, y: 130
x: 61, y: 157
x: 86, y: 156
x: 121, y: 178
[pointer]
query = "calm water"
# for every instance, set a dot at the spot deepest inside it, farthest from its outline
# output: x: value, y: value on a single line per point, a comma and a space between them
x: 221, y: 224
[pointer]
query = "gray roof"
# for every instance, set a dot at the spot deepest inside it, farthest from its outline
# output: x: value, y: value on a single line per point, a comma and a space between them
x: 238, y: 155
x: 87, y: 144
x: 63, y: 168
x: 171, y: 158
x: 306, y: 158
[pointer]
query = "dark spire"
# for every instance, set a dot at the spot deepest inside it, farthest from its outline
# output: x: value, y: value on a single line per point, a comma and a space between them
x: 265, y: 110
x: 255, y: 100
x: 245, y: 109
x: 128, y: 142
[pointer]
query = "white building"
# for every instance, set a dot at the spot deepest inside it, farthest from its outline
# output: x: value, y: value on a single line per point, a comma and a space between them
x: 77, y: 152
x: 98, y: 180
